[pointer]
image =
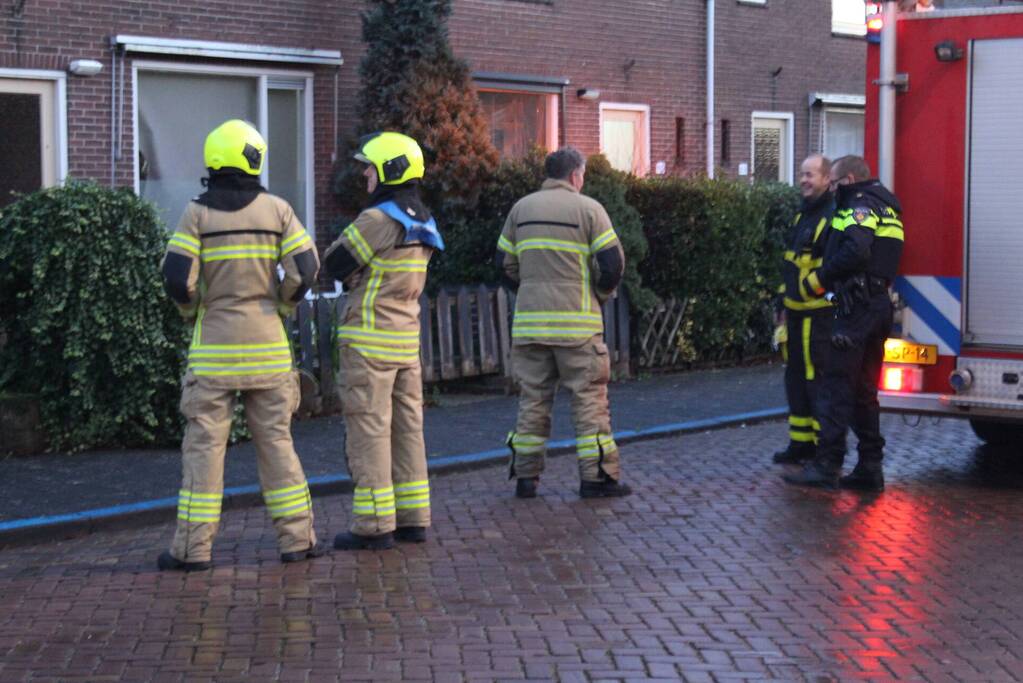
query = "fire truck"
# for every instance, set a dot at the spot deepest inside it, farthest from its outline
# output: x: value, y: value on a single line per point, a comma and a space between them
x: 954, y: 124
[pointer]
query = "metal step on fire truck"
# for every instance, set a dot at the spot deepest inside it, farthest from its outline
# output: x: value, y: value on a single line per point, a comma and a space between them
x: 944, y: 128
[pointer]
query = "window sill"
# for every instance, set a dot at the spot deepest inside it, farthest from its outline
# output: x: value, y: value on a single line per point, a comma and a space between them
x: 752, y: 3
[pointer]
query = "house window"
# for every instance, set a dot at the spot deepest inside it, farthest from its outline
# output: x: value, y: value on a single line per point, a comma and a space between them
x: 726, y: 141
x: 625, y: 136
x: 771, y: 146
x: 680, y: 140
x: 178, y: 105
x: 520, y: 120
x: 848, y: 17
x: 32, y: 135
x: 843, y: 132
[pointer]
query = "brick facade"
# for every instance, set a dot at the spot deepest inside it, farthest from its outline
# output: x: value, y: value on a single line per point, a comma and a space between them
x: 644, y: 52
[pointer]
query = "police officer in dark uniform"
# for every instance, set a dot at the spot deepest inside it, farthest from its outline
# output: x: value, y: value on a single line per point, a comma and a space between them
x: 860, y: 261
x: 807, y: 315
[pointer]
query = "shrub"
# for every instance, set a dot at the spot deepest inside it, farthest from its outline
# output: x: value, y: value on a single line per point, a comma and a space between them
x: 88, y: 327
x: 413, y: 83
x: 715, y: 243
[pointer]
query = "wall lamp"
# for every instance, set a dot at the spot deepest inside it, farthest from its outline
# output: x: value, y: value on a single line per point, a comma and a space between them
x: 948, y: 51
x: 85, y: 67
x: 587, y: 94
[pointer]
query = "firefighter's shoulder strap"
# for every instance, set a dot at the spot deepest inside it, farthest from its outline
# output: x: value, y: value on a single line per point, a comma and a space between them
x: 415, y: 231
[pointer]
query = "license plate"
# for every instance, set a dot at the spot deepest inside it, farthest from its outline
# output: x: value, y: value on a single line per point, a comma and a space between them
x: 899, y: 351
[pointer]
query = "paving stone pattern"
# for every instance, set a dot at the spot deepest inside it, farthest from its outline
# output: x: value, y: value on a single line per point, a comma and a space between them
x: 714, y: 571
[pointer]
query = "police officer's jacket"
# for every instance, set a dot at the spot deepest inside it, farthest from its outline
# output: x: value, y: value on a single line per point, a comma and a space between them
x: 804, y: 253
x: 866, y: 237
x: 382, y: 259
x: 559, y: 248
x: 221, y: 269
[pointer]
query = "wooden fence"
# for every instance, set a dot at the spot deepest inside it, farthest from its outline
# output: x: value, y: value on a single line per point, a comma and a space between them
x: 465, y: 332
x: 661, y: 335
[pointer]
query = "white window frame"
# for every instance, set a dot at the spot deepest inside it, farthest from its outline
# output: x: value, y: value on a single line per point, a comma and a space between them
x: 59, y: 79
x: 789, y: 119
x: 263, y: 76
x: 841, y: 27
x: 834, y: 109
x: 624, y: 106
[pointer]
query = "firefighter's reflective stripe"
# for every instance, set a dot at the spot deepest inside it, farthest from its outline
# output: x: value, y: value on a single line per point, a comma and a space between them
x: 548, y: 243
x: 602, y: 240
x: 240, y: 251
x: 803, y: 429
x: 805, y: 262
x: 186, y: 242
x: 294, y: 242
x: 506, y: 245
x: 199, y: 508
x: 291, y: 500
x: 412, y: 495
x: 592, y: 445
x: 525, y: 444
x: 557, y: 323
x: 376, y: 502
x: 807, y: 360
x: 359, y: 242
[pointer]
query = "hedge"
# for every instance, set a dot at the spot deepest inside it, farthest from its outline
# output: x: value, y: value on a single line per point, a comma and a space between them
x: 87, y: 326
x: 716, y: 244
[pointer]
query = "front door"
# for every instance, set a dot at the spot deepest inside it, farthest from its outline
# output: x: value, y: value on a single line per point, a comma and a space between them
x: 28, y: 150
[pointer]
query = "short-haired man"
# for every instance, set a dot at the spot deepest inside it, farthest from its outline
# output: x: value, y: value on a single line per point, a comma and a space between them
x: 559, y: 251
x: 860, y: 262
x: 807, y: 315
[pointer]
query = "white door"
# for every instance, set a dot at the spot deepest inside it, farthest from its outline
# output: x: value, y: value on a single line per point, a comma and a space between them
x: 624, y: 138
x: 28, y: 145
x: 994, y: 249
x: 772, y: 148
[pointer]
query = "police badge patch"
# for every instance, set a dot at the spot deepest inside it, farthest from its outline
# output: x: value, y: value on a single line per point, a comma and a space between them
x: 860, y: 215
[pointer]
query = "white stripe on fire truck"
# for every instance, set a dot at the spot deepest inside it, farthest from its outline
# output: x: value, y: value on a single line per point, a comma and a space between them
x: 933, y: 311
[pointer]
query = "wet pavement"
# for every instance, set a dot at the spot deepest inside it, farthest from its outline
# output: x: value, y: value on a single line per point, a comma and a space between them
x: 56, y: 484
x: 714, y: 571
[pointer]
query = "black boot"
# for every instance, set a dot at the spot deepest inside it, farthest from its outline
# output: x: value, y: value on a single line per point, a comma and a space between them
x: 816, y: 473
x: 609, y: 488
x: 410, y: 534
x: 526, y: 487
x: 309, y: 553
x: 166, y: 561
x: 864, y: 477
x: 349, y: 541
x: 795, y: 454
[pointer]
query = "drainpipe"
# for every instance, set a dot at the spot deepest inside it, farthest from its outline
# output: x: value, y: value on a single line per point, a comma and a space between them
x: 710, y: 89
x: 888, y: 83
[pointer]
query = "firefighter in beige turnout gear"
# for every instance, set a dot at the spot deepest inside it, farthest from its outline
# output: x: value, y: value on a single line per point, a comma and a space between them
x: 221, y: 269
x: 382, y: 259
x: 559, y: 250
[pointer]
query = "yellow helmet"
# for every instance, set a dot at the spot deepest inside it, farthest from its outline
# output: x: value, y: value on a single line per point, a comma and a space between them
x: 396, y: 157
x: 235, y: 144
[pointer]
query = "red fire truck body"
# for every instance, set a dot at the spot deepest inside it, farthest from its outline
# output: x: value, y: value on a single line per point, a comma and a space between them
x: 958, y: 344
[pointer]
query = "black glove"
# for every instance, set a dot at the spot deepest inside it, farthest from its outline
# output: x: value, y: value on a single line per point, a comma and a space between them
x: 841, y: 341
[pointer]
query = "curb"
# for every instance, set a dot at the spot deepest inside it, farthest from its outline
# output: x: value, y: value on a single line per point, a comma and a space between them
x: 133, y: 515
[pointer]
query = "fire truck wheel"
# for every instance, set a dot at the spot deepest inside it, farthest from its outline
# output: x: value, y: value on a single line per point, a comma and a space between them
x: 998, y: 433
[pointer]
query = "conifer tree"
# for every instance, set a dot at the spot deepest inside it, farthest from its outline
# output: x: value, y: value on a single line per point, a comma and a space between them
x: 413, y: 83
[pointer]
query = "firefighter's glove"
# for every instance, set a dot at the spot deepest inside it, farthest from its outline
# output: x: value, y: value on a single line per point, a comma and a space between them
x: 841, y: 341
x: 781, y: 336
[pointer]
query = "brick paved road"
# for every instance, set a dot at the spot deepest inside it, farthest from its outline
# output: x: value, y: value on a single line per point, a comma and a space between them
x: 715, y: 571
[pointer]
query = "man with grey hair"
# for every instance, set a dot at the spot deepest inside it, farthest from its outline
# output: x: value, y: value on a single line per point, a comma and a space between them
x: 806, y: 316
x: 559, y: 251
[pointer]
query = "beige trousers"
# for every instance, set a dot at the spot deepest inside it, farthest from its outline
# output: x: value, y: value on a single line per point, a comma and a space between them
x: 209, y: 410
x: 583, y: 370
x: 383, y: 409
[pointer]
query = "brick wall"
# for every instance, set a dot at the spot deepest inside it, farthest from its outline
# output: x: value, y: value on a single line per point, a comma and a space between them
x: 49, y: 34
x: 642, y: 51
x: 754, y: 41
